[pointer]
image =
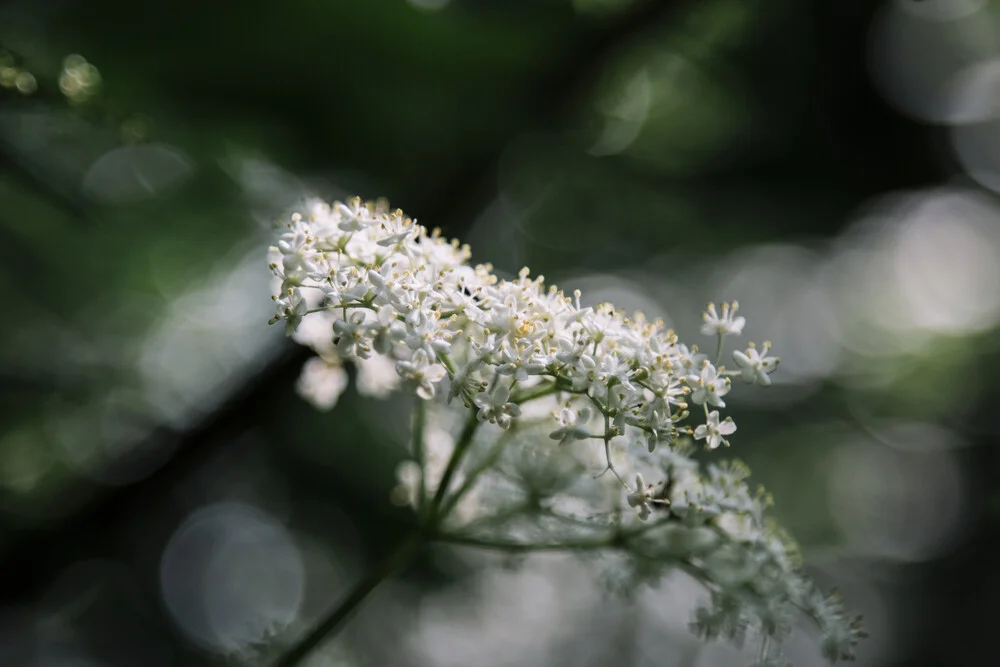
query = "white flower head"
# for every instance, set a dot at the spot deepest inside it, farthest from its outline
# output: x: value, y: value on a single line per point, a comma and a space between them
x: 713, y: 432
x: 406, y: 307
x: 384, y: 292
x: 709, y: 386
x: 351, y: 335
x: 726, y: 323
x: 495, y: 406
x: 291, y: 307
x: 640, y: 498
x: 756, y: 366
x: 689, y: 360
x: 572, y: 425
x: 352, y: 216
x: 424, y: 372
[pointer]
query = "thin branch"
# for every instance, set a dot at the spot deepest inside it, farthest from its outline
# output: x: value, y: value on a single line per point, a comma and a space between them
x: 523, y: 547
x: 417, y: 428
x: 395, y: 561
x: 461, y: 447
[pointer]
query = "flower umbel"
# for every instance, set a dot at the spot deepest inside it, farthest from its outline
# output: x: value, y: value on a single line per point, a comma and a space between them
x: 382, y: 283
x: 364, y: 285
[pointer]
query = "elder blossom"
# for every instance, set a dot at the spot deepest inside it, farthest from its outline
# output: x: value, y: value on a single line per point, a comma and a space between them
x: 756, y: 366
x: 709, y: 386
x: 379, y: 283
x: 364, y: 285
x: 726, y: 323
x: 572, y: 425
x: 495, y: 406
x: 641, y: 497
x: 713, y: 432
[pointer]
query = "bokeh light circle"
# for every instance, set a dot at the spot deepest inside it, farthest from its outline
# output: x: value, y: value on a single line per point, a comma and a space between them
x: 231, y: 577
x: 906, y: 503
x: 918, y: 51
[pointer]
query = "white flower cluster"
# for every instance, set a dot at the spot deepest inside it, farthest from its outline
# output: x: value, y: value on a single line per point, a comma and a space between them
x: 374, y: 281
x: 706, y: 522
x: 717, y: 532
x: 360, y: 283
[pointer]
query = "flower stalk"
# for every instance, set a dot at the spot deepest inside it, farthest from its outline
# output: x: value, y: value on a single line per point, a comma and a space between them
x: 397, y: 559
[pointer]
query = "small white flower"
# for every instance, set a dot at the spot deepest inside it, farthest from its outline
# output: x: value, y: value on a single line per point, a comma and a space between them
x: 425, y: 373
x: 291, y: 308
x: 352, y: 335
x: 618, y: 408
x: 495, y: 407
x: 295, y: 255
x: 756, y: 365
x: 321, y: 383
x: 396, y: 230
x: 614, y: 368
x: 353, y: 217
x: 464, y: 381
x: 573, y: 425
x: 661, y: 432
x: 709, y: 387
x: 713, y: 432
x: 641, y: 497
x: 740, y: 527
x: 423, y: 332
x: 727, y: 323
x: 689, y: 360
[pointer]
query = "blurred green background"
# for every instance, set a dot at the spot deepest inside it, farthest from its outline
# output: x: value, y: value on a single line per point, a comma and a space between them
x: 166, y: 498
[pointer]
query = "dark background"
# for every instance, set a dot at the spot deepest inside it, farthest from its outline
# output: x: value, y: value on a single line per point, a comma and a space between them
x: 167, y: 499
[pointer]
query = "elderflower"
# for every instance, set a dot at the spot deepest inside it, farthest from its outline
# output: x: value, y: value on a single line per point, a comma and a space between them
x: 756, y: 366
x: 377, y: 283
x: 726, y: 323
x: 709, y: 386
x: 495, y: 406
x: 640, y: 498
x: 713, y: 433
x: 572, y: 425
x: 367, y: 286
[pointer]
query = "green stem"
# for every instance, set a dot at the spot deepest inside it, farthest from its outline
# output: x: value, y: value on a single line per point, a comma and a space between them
x: 618, y: 537
x: 535, y: 392
x: 523, y: 547
x: 399, y: 556
x: 470, y: 480
x: 418, y: 427
x: 461, y: 446
x: 396, y: 560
